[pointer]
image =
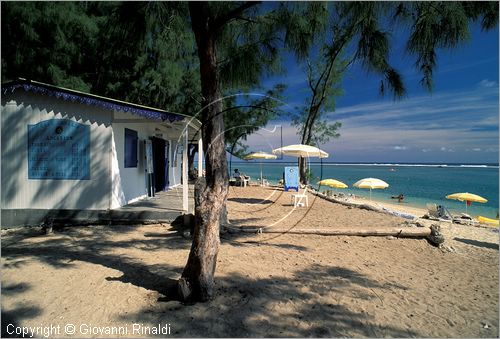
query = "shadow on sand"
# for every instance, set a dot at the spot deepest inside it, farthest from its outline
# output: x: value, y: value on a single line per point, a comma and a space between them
x: 243, y: 305
x: 477, y: 243
x: 251, y: 200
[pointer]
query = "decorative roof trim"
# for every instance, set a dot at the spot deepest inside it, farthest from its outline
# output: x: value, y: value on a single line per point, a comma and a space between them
x: 90, y: 100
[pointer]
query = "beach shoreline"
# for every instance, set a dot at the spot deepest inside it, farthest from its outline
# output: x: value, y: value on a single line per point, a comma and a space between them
x: 404, y: 207
x: 419, y: 184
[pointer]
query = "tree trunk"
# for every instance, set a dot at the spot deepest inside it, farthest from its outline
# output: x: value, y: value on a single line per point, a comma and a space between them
x: 197, y: 281
x: 303, y: 170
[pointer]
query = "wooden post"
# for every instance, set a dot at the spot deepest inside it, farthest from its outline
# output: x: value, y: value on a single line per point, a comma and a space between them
x: 200, y: 158
x: 185, y: 187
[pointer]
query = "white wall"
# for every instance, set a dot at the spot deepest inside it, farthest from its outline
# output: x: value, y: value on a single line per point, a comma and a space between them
x: 175, y: 173
x: 21, y: 109
x: 133, y: 180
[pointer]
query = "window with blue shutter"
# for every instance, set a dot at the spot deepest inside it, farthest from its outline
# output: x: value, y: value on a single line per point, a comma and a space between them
x: 130, y: 148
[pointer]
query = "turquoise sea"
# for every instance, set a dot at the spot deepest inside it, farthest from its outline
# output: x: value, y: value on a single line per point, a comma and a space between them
x: 420, y: 183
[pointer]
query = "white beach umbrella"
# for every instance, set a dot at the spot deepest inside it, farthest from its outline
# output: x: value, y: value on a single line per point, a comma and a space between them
x: 371, y: 183
x: 300, y: 150
x: 261, y: 156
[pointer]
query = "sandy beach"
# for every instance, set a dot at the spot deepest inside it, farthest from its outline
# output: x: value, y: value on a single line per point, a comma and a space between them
x: 105, y: 278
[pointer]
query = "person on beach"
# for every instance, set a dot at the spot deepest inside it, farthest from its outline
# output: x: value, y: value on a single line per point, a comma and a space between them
x: 399, y: 197
x: 237, y: 175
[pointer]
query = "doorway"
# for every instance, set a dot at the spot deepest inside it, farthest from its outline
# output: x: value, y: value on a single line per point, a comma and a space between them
x: 160, y: 164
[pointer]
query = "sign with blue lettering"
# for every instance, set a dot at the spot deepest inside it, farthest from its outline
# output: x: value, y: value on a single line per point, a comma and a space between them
x: 292, y: 178
x: 59, y: 149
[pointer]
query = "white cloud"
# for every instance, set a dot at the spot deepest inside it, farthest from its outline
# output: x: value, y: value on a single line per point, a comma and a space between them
x: 457, y: 121
x: 485, y: 83
x: 444, y: 110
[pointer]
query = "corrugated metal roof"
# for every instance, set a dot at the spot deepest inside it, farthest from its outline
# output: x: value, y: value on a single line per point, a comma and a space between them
x: 91, y: 99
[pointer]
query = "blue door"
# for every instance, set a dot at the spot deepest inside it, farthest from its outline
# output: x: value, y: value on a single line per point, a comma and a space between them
x: 159, y: 159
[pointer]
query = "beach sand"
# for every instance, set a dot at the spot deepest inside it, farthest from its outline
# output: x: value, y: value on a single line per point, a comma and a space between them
x: 267, y: 285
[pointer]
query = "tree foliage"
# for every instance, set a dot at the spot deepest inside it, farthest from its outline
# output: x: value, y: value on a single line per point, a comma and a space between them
x: 247, y: 117
x: 440, y: 25
x: 49, y: 42
x: 134, y: 51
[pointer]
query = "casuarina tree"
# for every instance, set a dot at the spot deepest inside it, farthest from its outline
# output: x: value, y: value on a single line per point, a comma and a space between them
x: 253, y: 31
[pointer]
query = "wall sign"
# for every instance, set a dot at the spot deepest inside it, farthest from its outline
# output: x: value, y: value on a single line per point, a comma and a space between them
x: 59, y: 149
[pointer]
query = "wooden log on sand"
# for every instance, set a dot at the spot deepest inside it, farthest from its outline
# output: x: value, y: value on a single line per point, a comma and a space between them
x: 350, y: 204
x: 381, y: 231
x: 362, y: 206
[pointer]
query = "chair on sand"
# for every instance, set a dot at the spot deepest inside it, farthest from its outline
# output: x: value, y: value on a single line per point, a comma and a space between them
x: 300, y: 199
x: 465, y: 219
x: 242, y: 181
x: 438, y: 212
x: 442, y: 214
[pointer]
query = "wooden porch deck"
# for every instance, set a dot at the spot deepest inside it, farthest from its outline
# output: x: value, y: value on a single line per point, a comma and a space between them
x: 163, y: 207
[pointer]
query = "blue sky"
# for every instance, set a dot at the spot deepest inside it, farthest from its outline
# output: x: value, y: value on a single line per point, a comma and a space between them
x: 457, y: 122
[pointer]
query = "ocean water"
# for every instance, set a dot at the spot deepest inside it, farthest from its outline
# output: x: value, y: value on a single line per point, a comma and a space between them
x: 420, y: 184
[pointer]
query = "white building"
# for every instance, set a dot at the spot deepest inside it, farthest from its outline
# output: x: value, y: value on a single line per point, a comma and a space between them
x: 82, y: 155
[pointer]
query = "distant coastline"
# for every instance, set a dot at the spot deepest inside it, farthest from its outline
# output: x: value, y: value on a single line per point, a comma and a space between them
x: 402, y: 164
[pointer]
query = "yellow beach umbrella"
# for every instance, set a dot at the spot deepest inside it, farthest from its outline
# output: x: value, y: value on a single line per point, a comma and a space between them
x: 467, y: 197
x: 371, y: 183
x: 332, y: 183
x: 261, y: 156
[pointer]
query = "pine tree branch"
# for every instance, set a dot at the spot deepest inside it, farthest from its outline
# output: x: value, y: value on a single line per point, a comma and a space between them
x: 310, y: 75
x: 245, y: 19
x: 222, y: 20
x: 245, y: 47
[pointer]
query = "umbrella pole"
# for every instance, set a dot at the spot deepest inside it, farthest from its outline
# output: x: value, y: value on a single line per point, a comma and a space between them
x: 466, y: 207
x: 370, y: 194
x: 261, y: 183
